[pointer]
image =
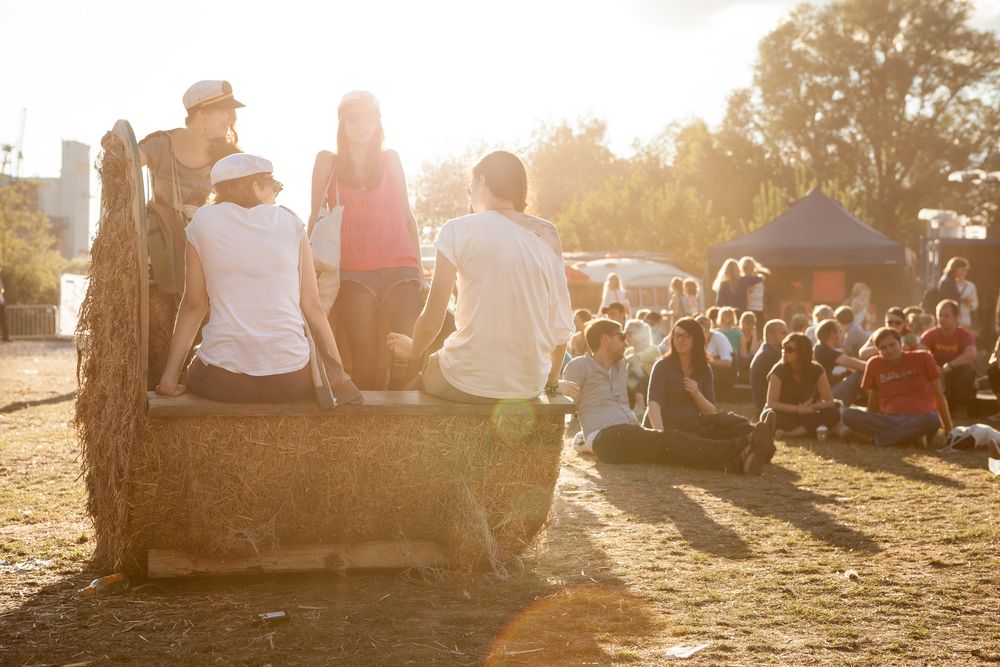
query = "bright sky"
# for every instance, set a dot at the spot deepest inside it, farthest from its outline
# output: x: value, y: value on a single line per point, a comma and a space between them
x: 448, y: 72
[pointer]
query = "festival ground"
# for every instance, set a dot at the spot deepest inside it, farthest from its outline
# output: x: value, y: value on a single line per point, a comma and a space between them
x: 839, y: 554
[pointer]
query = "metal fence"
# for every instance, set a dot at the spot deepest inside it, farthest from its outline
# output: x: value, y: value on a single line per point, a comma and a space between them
x: 32, y: 321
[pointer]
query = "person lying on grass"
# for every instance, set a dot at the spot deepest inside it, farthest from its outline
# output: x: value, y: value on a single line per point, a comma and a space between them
x: 906, y: 404
x: 798, y: 391
x: 687, y: 431
x: 250, y: 269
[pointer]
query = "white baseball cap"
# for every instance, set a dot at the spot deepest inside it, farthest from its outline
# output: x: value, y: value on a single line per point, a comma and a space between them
x: 362, y: 97
x: 211, y: 95
x: 239, y: 165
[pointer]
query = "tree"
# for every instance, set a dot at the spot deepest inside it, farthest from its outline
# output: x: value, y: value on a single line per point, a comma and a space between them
x: 883, y: 96
x: 439, y: 188
x: 30, y: 263
x: 565, y: 162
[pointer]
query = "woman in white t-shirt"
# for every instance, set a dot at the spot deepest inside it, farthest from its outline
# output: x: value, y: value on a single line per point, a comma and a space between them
x: 615, y: 292
x: 512, y: 315
x: 249, y: 267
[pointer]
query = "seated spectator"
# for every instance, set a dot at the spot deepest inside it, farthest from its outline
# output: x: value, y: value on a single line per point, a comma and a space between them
x: 720, y: 355
x: 820, y: 314
x: 640, y: 355
x: 993, y: 373
x: 767, y: 356
x: 905, y: 401
x: 713, y: 316
x: 692, y: 298
x: 749, y: 343
x: 510, y: 342
x: 854, y: 335
x: 912, y: 310
x: 895, y: 318
x: 641, y: 314
x: 254, y: 347
x: 728, y: 326
x: 578, y: 344
x: 799, y: 324
x: 921, y: 322
x: 612, y: 432
x: 616, y: 311
x: 793, y: 386
x: 658, y: 326
x: 843, y: 371
x: 954, y: 350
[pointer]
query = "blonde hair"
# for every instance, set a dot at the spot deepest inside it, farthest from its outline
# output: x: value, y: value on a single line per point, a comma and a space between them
x: 729, y: 270
x: 727, y: 316
x: 641, y: 331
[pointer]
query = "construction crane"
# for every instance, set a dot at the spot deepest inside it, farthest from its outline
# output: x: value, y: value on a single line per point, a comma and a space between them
x: 14, y: 149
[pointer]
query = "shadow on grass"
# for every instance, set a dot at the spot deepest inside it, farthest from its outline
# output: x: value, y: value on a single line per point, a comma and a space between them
x: 870, y: 458
x: 21, y: 405
x: 654, y: 498
x: 561, y: 610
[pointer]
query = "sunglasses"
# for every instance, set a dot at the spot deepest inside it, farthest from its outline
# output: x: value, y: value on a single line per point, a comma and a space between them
x: 789, y: 348
x: 894, y: 323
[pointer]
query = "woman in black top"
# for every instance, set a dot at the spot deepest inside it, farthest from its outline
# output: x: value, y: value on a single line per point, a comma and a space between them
x: 681, y: 390
x: 798, y: 391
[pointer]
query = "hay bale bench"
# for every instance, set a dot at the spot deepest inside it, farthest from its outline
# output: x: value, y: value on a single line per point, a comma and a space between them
x: 181, y: 486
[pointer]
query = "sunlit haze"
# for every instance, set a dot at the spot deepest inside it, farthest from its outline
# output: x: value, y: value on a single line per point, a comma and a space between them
x: 448, y: 73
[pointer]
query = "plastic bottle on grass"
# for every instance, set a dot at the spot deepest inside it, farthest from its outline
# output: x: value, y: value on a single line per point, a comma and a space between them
x: 822, y: 433
x: 113, y: 583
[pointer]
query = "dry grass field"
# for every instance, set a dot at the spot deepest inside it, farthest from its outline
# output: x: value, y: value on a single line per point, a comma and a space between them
x: 838, y: 555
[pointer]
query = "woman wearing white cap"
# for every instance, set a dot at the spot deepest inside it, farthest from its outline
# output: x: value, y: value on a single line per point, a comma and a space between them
x: 380, y: 270
x: 250, y: 269
x: 180, y: 162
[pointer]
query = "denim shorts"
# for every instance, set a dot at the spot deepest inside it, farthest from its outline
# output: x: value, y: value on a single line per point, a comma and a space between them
x: 379, y: 281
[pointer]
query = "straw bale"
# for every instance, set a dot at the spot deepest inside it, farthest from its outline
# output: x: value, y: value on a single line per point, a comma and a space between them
x: 110, y: 404
x: 481, y: 488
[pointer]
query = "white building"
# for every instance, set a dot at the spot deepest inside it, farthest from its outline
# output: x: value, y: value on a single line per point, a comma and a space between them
x: 66, y: 200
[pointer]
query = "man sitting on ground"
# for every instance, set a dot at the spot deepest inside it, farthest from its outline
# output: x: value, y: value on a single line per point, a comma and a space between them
x: 905, y: 400
x: 767, y: 356
x: 612, y: 431
x: 820, y: 314
x: 847, y: 382
x: 616, y: 312
x: 954, y: 350
x: 854, y: 336
x: 895, y: 318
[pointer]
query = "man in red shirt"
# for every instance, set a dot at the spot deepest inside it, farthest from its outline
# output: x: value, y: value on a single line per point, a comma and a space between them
x: 954, y: 350
x: 905, y: 400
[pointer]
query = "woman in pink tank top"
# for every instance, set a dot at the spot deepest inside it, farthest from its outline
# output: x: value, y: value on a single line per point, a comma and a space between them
x: 380, y: 247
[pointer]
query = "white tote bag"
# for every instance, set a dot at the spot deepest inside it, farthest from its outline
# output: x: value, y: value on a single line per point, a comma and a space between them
x: 325, y: 244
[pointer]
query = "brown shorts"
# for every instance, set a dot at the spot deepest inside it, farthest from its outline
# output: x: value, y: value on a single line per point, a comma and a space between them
x: 218, y: 384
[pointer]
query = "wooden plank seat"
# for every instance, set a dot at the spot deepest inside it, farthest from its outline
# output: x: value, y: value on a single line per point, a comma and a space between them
x: 394, y: 403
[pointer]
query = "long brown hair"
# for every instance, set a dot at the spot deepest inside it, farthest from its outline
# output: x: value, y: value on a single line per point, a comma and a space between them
x: 346, y: 173
x: 803, y: 353
x: 699, y: 358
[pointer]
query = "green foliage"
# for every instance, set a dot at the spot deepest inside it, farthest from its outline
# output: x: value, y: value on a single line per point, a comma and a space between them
x: 873, y: 101
x: 30, y: 263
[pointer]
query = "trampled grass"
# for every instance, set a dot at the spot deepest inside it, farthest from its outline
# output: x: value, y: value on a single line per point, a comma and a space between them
x: 838, y: 555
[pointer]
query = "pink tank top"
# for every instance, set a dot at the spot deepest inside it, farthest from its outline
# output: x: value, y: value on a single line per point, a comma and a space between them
x: 375, y: 233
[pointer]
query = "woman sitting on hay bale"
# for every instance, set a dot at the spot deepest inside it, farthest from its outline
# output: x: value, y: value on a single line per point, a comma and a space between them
x: 180, y: 163
x: 513, y: 314
x: 249, y: 265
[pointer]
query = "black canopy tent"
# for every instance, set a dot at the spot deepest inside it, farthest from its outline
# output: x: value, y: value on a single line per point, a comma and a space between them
x: 816, y: 251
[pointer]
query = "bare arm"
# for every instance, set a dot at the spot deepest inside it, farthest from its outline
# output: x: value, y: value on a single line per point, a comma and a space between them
x: 873, y: 408
x: 655, y: 415
x: 849, y: 363
x: 825, y: 393
x: 429, y: 323
x: 774, y: 393
x: 319, y: 325
x: 190, y: 315
x: 322, y: 169
x: 868, y: 350
x: 942, y: 407
x: 968, y: 356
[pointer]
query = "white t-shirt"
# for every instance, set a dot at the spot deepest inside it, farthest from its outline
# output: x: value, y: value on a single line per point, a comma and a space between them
x: 512, y: 310
x: 967, y: 291
x: 755, y: 297
x: 610, y: 296
x: 718, y: 346
x: 251, y: 262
